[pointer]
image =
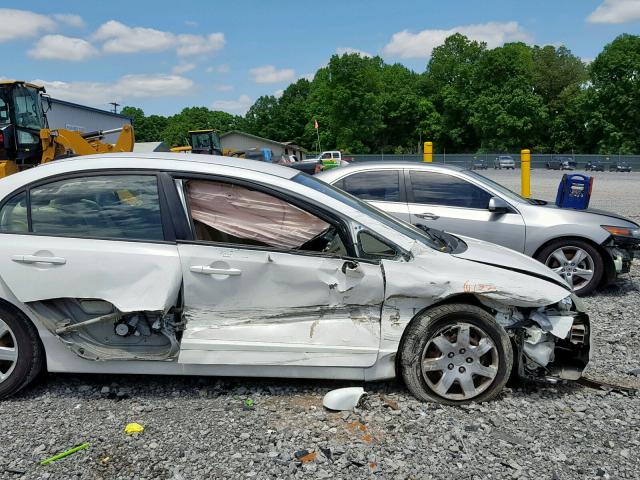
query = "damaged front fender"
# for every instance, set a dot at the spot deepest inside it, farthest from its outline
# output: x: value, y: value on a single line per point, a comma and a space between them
x: 516, y: 300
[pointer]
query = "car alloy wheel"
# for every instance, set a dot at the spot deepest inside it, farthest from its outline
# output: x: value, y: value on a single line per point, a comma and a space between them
x: 459, y: 362
x: 454, y: 354
x: 573, y: 264
x: 8, y: 351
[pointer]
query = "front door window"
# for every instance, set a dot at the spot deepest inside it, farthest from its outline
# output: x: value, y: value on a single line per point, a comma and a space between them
x: 234, y: 214
x: 447, y: 190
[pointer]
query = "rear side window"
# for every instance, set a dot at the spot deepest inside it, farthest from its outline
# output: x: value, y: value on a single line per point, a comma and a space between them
x: 13, y: 216
x: 109, y: 206
x: 381, y: 185
x: 442, y: 189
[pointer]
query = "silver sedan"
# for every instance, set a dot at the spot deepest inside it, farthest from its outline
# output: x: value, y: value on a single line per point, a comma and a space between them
x: 586, y: 247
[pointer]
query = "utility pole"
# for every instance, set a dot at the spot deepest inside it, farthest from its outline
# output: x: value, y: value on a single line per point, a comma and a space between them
x: 115, y: 106
x: 316, y: 125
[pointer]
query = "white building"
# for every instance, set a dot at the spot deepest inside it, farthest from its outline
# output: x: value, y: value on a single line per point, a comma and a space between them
x: 81, y: 118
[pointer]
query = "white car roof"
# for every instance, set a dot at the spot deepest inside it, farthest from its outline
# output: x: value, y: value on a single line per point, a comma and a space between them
x: 146, y: 161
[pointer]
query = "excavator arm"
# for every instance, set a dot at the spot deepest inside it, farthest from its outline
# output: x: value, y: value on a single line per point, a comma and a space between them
x: 62, y: 143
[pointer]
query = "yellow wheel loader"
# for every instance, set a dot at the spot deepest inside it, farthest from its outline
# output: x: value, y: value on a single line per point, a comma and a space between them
x: 25, y: 137
x: 202, y: 141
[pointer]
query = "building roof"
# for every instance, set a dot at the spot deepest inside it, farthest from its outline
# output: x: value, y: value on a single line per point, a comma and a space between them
x: 90, y: 109
x: 262, y: 139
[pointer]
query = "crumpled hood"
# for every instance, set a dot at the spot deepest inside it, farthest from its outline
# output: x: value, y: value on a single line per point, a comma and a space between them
x: 498, y: 256
x: 511, y: 279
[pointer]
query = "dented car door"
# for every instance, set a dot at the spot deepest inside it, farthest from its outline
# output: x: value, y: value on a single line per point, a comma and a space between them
x: 268, y: 283
x: 91, y: 237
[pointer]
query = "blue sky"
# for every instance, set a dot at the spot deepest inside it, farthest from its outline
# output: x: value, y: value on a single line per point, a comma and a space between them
x: 166, y: 55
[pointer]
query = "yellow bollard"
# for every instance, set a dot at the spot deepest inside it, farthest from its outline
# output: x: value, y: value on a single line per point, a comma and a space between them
x: 427, y: 156
x: 525, y: 173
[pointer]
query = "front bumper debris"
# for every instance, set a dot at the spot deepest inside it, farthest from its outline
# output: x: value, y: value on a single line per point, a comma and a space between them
x: 551, y: 343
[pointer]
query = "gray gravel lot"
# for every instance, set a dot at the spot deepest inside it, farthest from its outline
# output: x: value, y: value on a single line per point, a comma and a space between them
x: 196, y: 427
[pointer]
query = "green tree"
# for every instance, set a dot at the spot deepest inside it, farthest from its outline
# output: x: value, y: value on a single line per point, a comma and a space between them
x: 451, y: 84
x: 507, y: 114
x: 261, y: 118
x: 559, y: 78
x: 613, y: 123
x: 146, y: 129
x: 351, y: 91
x: 400, y: 104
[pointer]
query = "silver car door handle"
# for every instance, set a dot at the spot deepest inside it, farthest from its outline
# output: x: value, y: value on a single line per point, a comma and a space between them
x: 38, y: 259
x: 207, y: 270
x: 427, y: 216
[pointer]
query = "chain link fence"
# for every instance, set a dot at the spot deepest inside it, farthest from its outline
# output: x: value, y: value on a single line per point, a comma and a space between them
x: 490, y: 159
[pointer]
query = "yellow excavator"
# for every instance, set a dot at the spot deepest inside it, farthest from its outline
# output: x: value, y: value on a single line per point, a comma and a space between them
x: 25, y: 137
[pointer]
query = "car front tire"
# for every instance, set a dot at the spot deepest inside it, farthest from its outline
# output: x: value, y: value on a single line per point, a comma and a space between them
x: 455, y: 354
x: 21, y: 352
x: 576, y: 261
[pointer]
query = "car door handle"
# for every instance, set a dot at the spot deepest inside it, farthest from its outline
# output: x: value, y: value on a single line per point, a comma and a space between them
x: 427, y: 216
x: 207, y: 270
x: 38, y: 259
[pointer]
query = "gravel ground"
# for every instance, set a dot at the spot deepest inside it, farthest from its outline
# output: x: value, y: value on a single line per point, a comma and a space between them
x: 197, y: 428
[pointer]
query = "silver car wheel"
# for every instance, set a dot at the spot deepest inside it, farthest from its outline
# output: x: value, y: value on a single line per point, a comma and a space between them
x: 573, y: 264
x: 8, y: 351
x: 460, y: 362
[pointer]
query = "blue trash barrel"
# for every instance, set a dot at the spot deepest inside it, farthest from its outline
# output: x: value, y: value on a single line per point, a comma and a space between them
x: 574, y: 191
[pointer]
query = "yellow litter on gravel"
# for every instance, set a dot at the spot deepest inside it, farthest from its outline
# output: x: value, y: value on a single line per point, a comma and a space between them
x: 132, y: 428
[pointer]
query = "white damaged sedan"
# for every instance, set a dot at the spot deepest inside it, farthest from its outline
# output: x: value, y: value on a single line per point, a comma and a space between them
x: 198, y: 265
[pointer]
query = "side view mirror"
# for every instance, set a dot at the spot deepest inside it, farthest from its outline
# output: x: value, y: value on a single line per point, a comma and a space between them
x: 498, y: 205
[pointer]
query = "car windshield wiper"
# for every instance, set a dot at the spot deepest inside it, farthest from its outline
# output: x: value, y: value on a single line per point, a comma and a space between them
x: 442, y: 243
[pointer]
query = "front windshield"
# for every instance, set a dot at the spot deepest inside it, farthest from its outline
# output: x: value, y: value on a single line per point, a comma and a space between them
x: 496, y: 186
x: 28, y: 109
x: 399, y: 226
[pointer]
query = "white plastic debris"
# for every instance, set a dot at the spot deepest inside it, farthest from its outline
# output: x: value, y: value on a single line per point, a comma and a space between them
x: 343, y: 398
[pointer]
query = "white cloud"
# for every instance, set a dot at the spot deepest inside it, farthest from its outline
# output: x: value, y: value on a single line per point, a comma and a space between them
x: 342, y: 50
x: 70, y: 19
x: 191, y: 23
x: 183, y: 68
x: 59, y: 47
x: 128, y: 86
x: 23, y: 24
x: 199, y: 44
x: 224, y: 68
x: 308, y: 76
x: 223, y: 87
x: 406, y: 44
x: 278, y: 93
x: 616, y: 11
x: 239, y: 106
x: 270, y: 74
x: 120, y: 38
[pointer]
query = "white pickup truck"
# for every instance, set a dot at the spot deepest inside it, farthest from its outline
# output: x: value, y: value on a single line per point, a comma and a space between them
x: 333, y: 158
